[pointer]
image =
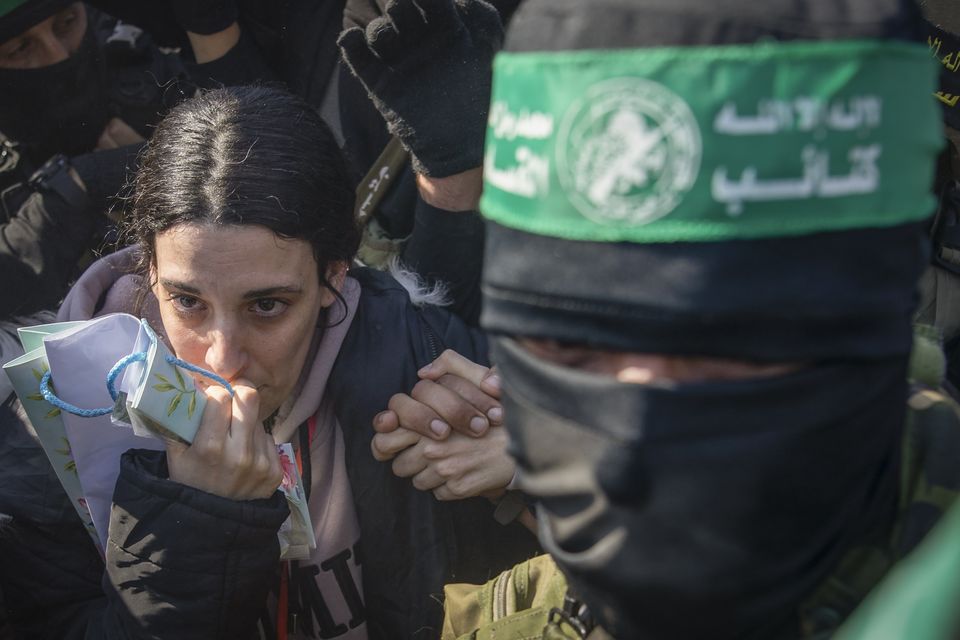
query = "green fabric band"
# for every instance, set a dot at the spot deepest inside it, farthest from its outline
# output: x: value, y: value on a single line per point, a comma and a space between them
x: 712, y: 143
x: 6, y: 6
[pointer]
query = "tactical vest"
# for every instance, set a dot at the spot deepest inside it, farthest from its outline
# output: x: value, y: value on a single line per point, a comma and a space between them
x: 530, y: 601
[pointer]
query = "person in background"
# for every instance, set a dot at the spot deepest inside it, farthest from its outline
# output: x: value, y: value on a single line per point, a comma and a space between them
x: 415, y: 86
x: 81, y: 91
x: 940, y: 285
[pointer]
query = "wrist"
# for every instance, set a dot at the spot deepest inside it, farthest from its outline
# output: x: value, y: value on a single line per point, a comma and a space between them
x: 211, y: 47
x: 459, y: 192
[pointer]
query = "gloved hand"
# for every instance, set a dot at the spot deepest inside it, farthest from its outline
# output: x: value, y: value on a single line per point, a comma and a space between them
x: 427, y: 68
x: 204, y: 17
x: 105, y: 173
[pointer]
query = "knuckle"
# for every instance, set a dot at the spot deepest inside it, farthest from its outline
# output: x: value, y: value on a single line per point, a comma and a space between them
x: 217, y: 394
x: 209, y: 450
x: 447, y: 468
x: 433, y: 450
x: 244, y: 462
x: 421, y: 388
x: 457, y: 489
x: 247, y: 396
x: 262, y: 466
x: 395, y: 400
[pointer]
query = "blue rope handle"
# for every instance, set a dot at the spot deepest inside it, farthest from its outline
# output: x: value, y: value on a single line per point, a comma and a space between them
x: 119, y: 368
x: 115, y: 372
x: 177, y: 362
x: 66, y: 406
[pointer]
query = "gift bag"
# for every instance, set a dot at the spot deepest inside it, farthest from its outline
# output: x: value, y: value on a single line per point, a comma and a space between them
x: 101, y: 387
x: 154, y: 396
x: 25, y: 374
x: 80, y: 360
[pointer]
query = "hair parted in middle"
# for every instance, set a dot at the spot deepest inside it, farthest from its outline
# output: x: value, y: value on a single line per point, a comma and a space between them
x: 246, y: 155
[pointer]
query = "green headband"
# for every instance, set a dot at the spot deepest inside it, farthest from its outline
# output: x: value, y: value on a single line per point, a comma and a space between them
x: 6, y: 6
x: 712, y: 143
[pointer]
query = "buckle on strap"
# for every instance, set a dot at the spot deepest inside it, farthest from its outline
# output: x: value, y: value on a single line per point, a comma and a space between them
x: 574, y: 614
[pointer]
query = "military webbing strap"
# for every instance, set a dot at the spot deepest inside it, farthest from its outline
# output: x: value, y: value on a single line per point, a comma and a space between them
x: 376, y: 184
x: 929, y: 486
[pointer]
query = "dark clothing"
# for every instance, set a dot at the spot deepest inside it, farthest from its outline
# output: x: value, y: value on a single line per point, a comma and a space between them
x: 448, y: 246
x: 42, y: 236
x: 185, y: 564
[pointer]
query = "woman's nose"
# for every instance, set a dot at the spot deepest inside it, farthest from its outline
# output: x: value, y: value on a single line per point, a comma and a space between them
x: 226, y: 355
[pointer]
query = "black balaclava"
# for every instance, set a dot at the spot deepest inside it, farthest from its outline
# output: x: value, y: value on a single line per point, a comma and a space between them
x: 711, y: 509
x: 60, y: 108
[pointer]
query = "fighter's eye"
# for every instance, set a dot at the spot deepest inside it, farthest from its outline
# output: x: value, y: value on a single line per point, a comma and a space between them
x: 18, y: 50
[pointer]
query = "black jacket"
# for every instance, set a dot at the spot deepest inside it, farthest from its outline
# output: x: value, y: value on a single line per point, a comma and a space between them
x: 185, y: 564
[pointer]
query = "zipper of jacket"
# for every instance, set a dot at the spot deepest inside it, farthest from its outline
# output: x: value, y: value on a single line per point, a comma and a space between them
x: 432, y: 341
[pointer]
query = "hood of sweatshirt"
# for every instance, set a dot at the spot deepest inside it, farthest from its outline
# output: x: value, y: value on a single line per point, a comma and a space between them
x: 111, y: 285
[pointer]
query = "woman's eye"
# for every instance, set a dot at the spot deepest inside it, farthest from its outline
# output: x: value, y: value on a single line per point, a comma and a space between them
x: 185, y: 304
x: 269, y: 307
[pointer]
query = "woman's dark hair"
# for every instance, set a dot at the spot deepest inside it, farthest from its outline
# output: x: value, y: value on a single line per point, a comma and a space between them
x: 246, y: 155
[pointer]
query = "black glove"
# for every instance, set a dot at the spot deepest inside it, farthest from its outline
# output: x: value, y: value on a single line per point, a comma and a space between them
x: 427, y: 69
x: 204, y: 17
x: 105, y: 173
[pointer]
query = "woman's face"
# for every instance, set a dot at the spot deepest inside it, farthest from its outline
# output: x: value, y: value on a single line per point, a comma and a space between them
x: 240, y: 301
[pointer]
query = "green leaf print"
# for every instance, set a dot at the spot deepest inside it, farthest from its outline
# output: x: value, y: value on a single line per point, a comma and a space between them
x: 182, y: 384
x: 174, y: 403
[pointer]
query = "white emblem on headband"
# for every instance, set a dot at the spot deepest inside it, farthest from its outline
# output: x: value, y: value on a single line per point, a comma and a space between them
x: 628, y: 151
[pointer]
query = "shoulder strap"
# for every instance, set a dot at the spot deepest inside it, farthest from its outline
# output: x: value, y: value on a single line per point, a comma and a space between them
x: 929, y: 486
x: 376, y: 183
x: 928, y: 364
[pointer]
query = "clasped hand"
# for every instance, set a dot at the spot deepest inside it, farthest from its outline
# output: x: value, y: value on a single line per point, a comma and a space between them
x: 447, y: 435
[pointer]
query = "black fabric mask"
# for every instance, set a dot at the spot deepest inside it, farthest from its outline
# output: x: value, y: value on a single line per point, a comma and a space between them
x: 704, y: 510
x: 60, y: 108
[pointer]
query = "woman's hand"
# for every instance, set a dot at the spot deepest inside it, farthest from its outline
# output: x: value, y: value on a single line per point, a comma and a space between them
x: 455, y: 468
x: 454, y: 394
x: 231, y: 456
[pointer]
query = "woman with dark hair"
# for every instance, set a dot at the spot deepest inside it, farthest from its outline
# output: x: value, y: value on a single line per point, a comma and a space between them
x: 242, y: 214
